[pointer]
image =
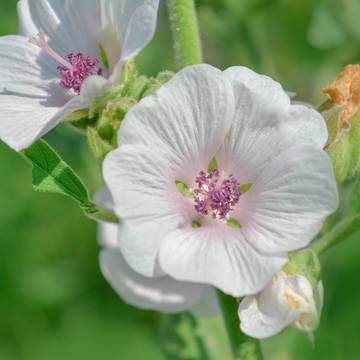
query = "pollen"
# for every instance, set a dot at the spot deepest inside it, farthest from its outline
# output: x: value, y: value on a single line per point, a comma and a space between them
x: 82, y: 67
x: 215, y: 194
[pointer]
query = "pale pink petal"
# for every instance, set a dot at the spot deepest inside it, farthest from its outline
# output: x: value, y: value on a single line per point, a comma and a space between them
x: 70, y: 25
x: 31, y: 99
x: 162, y: 294
x: 265, y: 124
x: 188, y: 119
x: 146, y: 200
x: 218, y: 256
x: 289, y: 202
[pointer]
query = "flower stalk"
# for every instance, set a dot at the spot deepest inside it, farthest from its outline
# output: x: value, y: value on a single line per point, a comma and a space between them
x: 243, y: 347
x: 184, y: 25
x: 341, y: 231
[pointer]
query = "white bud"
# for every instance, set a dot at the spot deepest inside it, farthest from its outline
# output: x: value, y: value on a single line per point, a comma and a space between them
x: 287, y: 300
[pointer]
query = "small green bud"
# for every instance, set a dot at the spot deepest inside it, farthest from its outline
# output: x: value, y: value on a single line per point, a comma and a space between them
x: 138, y: 87
x: 99, y: 146
x: 112, y: 115
x: 129, y: 73
x: 80, y: 119
x: 155, y: 84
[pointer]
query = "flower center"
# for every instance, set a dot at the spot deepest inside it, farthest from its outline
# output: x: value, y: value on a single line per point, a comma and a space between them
x: 215, y: 194
x: 73, y: 69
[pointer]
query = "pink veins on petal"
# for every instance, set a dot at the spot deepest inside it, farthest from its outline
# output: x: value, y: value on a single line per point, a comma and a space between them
x: 73, y: 69
x: 215, y: 194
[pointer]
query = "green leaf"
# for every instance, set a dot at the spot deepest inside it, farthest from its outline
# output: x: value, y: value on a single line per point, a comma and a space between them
x: 52, y: 175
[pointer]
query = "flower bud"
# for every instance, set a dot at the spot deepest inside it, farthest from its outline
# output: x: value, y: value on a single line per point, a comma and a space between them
x: 98, y: 146
x: 342, y: 115
x: 287, y: 300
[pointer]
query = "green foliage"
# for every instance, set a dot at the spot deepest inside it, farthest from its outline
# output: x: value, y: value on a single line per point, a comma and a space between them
x: 51, y: 174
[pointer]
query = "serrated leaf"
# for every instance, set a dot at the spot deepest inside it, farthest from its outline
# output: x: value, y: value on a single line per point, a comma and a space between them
x: 52, y: 175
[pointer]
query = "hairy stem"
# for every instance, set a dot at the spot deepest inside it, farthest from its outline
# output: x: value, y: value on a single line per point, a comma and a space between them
x: 243, y: 347
x: 184, y: 26
x: 340, y: 232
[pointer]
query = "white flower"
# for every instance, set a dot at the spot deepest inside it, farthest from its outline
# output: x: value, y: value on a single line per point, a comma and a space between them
x: 41, y: 79
x: 217, y: 235
x: 161, y: 294
x: 287, y: 300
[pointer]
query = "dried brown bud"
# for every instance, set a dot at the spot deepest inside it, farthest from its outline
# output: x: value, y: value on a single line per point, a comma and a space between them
x: 344, y: 92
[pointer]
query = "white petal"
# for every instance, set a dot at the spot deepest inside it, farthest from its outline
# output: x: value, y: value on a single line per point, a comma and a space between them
x: 108, y: 235
x: 126, y: 28
x: 140, y: 30
x: 31, y: 99
x: 71, y: 26
x: 288, y: 203
x: 220, y: 257
x: 256, y: 324
x: 104, y: 198
x: 265, y: 124
x: 188, y: 118
x: 145, y: 196
x: 162, y: 294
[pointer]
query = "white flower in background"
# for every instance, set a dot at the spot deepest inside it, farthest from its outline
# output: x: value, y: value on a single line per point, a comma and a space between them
x: 287, y: 300
x: 161, y: 294
x: 218, y: 234
x: 74, y: 47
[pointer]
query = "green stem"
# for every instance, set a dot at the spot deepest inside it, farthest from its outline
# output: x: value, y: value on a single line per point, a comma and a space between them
x: 243, y: 347
x: 99, y: 213
x: 184, y: 26
x: 340, y: 232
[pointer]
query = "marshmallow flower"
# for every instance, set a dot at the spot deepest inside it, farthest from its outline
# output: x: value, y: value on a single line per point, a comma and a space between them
x: 70, y: 51
x: 163, y: 294
x: 287, y: 300
x: 212, y: 231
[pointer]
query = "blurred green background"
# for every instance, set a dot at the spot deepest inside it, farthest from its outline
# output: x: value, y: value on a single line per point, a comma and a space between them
x: 54, y: 303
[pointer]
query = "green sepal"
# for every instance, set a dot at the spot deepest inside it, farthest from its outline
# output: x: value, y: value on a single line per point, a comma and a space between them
x: 233, y: 223
x: 245, y: 187
x: 112, y: 115
x: 183, y: 189
x: 306, y: 263
x: 103, y: 57
x: 212, y: 165
x: 138, y: 87
x: 196, y: 224
x: 98, y: 146
x: 51, y: 174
